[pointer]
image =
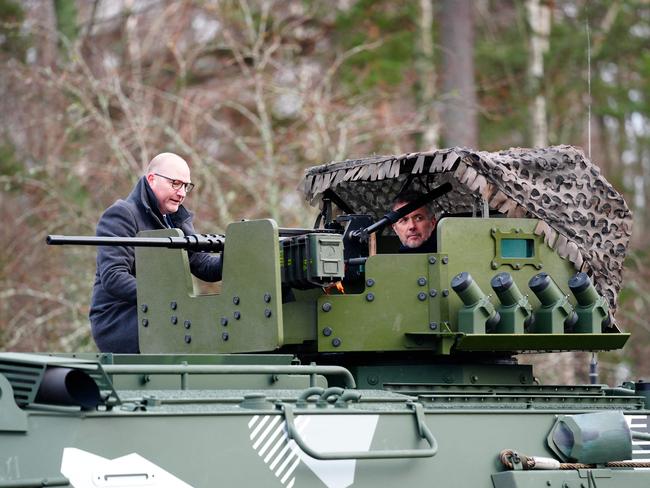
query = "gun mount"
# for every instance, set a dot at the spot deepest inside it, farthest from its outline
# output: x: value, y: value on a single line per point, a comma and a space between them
x: 423, y: 347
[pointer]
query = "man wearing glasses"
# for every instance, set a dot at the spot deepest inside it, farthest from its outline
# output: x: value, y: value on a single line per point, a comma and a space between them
x: 415, y: 230
x: 156, y: 202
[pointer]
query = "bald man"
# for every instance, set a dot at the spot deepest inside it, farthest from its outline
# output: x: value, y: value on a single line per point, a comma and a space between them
x: 156, y: 202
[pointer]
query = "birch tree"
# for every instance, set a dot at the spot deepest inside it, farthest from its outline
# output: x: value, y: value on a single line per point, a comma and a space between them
x: 539, y: 20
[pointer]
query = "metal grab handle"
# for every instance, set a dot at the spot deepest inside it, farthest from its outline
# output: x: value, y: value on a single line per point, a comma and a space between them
x: 423, y: 431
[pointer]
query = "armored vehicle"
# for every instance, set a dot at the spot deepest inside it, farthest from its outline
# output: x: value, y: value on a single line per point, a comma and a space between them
x: 330, y: 359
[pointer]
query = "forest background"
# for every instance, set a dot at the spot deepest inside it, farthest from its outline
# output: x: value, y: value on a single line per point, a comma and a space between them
x: 252, y: 92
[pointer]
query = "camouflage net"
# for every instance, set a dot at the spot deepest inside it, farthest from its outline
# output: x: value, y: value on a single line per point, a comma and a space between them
x: 582, y: 217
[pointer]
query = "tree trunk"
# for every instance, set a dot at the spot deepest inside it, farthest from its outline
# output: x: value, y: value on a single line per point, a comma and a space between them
x: 460, y: 124
x: 425, y: 66
x: 539, y: 19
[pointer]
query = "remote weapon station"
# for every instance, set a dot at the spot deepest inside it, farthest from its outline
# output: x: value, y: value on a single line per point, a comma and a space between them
x: 330, y: 359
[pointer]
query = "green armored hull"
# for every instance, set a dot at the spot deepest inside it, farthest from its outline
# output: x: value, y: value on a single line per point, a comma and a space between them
x: 210, y: 434
x: 330, y: 359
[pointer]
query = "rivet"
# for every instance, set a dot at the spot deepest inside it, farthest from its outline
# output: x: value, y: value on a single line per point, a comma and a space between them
x: 370, y: 297
x: 144, y: 307
x: 267, y: 312
x: 432, y: 260
x: 327, y: 331
x: 517, y: 266
x: 224, y: 321
x: 433, y: 292
x: 445, y: 293
x: 224, y: 336
x: 173, y: 305
x: 188, y: 339
x: 422, y: 281
x: 494, y: 265
x: 145, y: 323
x: 187, y: 324
x: 433, y: 325
x: 236, y: 314
x: 370, y: 282
x: 445, y: 260
x: 336, y: 342
x: 327, y: 306
x: 267, y: 297
x: 235, y: 300
x: 174, y: 319
x: 422, y: 296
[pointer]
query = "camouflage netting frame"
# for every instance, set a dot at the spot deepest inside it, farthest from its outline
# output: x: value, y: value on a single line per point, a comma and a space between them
x: 583, y: 218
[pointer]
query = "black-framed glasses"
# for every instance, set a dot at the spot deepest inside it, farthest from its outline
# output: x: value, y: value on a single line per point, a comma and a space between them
x: 177, y: 184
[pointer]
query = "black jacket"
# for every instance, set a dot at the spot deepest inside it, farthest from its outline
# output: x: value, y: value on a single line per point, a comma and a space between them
x: 113, y: 309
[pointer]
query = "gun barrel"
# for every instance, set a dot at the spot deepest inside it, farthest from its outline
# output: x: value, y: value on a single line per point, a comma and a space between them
x: 195, y: 242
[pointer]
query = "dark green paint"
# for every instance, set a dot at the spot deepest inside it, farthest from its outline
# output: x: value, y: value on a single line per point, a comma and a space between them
x: 404, y: 302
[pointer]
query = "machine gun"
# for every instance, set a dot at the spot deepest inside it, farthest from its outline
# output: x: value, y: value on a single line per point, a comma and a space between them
x: 309, y: 258
x: 194, y: 242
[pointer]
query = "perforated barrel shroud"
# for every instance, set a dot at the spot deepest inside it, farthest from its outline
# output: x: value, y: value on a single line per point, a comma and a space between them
x: 582, y: 217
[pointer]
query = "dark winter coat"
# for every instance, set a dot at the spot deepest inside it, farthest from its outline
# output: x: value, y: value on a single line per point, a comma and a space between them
x: 113, y: 310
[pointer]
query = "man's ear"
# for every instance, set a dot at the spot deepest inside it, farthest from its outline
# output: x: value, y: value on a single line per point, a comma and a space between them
x: 150, y: 177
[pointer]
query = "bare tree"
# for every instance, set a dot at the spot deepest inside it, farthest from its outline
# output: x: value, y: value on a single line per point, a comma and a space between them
x: 460, y: 120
